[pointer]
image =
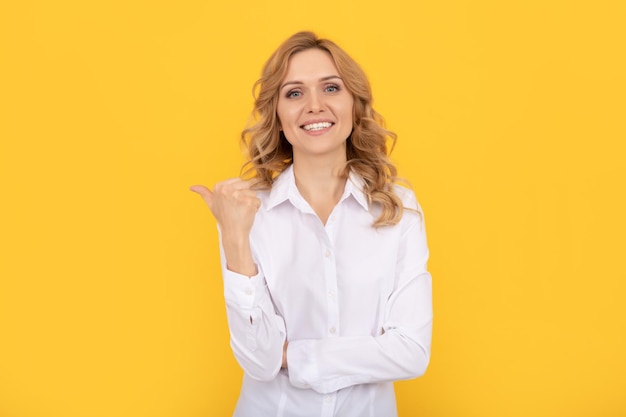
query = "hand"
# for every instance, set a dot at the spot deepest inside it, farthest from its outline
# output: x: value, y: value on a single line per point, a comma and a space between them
x: 284, y: 364
x: 234, y: 205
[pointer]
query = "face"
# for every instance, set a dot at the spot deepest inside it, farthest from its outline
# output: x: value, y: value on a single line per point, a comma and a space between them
x: 314, y: 106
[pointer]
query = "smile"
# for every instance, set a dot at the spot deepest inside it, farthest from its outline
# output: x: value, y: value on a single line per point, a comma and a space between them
x: 317, y: 126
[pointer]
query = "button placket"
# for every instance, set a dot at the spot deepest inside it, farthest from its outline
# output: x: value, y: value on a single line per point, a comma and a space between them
x: 330, y: 267
x: 328, y: 405
x: 330, y: 280
x: 331, y: 290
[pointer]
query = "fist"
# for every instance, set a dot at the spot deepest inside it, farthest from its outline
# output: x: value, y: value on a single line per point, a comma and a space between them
x: 233, y: 204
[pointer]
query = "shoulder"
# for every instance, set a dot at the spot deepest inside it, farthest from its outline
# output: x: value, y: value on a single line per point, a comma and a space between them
x: 407, y: 196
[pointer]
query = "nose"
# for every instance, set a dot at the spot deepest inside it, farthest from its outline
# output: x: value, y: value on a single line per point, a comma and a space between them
x: 316, y: 102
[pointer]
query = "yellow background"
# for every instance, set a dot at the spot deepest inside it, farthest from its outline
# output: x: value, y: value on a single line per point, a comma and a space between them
x: 511, y: 123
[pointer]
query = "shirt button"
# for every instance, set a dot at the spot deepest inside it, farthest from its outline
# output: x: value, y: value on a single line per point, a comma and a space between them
x: 248, y: 291
x: 327, y: 253
x: 332, y: 330
x: 328, y: 399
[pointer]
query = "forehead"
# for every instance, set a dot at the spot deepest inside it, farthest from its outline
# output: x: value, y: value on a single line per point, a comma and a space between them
x: 310, y: 64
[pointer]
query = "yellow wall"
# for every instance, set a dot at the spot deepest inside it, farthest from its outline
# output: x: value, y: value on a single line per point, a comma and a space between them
x: 510, y: 117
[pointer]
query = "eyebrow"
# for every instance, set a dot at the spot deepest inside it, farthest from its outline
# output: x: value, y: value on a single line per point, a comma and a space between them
x: 329, y: 77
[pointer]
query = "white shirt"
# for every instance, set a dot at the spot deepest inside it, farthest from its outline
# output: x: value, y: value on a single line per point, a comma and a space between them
x: 354, y: 302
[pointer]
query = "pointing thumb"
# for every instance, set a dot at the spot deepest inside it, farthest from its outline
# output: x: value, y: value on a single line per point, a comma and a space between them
x: 204, y: 192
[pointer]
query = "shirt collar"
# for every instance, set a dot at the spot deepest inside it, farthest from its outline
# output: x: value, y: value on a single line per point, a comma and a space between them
x: 284, y: 188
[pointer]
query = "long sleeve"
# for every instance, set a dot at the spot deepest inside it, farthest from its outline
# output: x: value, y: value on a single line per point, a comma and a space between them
x: 257, y: 333
x: 402, y: 351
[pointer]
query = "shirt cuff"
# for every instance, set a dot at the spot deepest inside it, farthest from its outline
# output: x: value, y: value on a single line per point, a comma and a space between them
x: 301, y: 363
x: 243, y: 291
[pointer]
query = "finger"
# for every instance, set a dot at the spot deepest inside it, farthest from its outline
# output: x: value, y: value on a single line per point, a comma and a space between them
x: 204, y: 192
x: 228, y: 187
x: 253, y: 202
x: 245, y: 196
x: 238, y: 184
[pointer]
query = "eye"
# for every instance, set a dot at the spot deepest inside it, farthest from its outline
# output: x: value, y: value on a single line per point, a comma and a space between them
x: 294, y: 94
x: 331, y: 88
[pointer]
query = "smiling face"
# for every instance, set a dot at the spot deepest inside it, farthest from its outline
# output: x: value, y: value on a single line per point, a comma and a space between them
x: 314, y: 106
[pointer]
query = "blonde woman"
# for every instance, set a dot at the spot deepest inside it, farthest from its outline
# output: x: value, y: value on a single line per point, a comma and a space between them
x: 323, y: 255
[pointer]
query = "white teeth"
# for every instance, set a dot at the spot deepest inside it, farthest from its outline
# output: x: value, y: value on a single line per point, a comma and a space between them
x: 317, y: 126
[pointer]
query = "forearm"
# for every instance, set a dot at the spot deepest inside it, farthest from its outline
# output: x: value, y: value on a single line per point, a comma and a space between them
x: 327, y: 365
x: 257, y: 340
x: 401, y: 351
x: 257, y: 333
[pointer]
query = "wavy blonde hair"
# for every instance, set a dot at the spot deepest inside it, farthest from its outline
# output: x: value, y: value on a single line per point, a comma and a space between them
x: 367, y: 147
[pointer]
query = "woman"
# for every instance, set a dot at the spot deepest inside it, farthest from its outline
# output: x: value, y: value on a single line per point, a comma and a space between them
x: 323, y: 255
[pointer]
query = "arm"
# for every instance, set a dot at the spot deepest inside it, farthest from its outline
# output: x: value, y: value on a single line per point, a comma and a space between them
x: 257, y: 333
x: 402, y: 351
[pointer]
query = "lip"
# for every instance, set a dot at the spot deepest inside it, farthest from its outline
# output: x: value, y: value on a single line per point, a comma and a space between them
x: 317, y: 132
x: 310, y: 122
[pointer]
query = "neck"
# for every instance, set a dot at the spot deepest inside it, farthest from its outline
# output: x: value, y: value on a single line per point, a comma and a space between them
x: 321, y: 183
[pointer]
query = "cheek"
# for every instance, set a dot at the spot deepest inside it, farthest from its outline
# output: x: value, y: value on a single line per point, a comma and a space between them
x: 285, y: 114
x: 348, y: 107
x: 285, y: 122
